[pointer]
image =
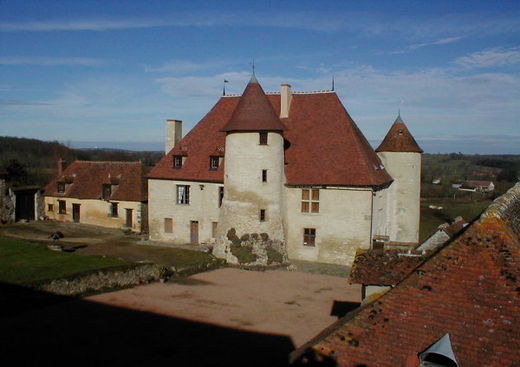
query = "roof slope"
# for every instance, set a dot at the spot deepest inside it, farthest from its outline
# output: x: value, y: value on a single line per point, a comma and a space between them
x: 325, y: 147
x: 254, y: 112
x: 86, y: 179
x: 469, y: 289
x: 204, y: 140
x: 399, y: 139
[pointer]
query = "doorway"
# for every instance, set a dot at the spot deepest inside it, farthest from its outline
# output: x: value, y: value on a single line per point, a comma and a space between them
x: 75, y: 212
x: 194, y: 232
x: 129, y: 218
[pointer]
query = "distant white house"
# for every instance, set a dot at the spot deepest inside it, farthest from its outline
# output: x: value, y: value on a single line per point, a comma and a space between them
x: 436, y: 181
x: 477, y: 186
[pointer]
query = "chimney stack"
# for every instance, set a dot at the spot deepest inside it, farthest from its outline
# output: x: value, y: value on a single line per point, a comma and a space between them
x: 286, y: 97
x: 61, y: 166
x: 173, y: 134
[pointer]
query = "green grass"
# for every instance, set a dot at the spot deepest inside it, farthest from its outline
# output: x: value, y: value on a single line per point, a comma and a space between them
x: 24, y: 262
x: 431, y: 219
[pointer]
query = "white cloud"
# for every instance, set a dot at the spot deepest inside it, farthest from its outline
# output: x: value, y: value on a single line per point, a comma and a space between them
x: 442, y: 41
x: 51, y: 61
x: 490, y: 58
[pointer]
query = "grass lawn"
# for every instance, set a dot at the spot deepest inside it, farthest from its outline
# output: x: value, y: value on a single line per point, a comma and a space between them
x: 25, y: 262
x: 431, y: 219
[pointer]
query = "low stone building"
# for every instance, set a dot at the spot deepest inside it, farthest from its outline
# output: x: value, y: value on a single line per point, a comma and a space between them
x: 284, y: 175
x: 108, y: 194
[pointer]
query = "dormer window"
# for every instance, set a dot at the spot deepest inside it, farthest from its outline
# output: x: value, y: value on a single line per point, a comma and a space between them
x: 213, y: 162
x: 177, y: 161
x: 263, y: 138
x: 107, y: 191
x: 61, y: 187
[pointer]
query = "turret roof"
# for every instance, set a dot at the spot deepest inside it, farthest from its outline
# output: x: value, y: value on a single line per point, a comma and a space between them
x: 254, y: 112
x: 399, y: 139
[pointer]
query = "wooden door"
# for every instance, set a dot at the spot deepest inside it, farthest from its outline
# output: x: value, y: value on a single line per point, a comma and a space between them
x: 24, y: 208
x: 75, y: 212
x: 194, y: 232
x: 129, y: 218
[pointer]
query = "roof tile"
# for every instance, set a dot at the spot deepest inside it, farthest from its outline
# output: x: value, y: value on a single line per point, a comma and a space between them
x: 87, y: 179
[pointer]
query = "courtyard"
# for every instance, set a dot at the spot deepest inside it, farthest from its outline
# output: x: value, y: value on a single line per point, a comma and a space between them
x: 227, y: 316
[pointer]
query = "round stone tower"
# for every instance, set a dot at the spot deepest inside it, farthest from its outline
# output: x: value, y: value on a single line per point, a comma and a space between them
x: 250, y: 228
x: 401, y: 156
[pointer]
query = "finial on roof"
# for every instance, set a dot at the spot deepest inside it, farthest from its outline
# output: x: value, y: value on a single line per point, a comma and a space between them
x: 333, y: 82
x: 253, y: 77
x: 224, y: 87
x: 399, y: 119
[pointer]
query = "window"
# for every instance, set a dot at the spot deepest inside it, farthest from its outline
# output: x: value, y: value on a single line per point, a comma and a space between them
x: 61, y: 187
x: 183, y: 194
x: 309, y: 236
x: 264, y: 175
x: 263, y: 138
x: 220, y: 195
x: 213, y: 162
x: 168, y: 225
x: 214, y: 229
x: 113, y: 210
x: 62, y: 207
x: 50, y: 207
x: 107, y: 191
x: 310, y: 200
x: 262, y: 215
x: 177, y: 161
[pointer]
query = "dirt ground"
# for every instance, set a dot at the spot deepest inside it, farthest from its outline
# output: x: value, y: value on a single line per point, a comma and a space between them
x: 294, y: 304
x: 94, y: 240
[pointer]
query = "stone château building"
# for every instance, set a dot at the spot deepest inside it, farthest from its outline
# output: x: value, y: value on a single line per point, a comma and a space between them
x: 284, y: 175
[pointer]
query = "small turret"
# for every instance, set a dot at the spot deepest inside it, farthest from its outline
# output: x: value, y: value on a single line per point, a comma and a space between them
x: 401, y: 156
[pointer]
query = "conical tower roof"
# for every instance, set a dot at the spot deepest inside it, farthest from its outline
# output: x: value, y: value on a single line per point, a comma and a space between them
x: 399, y: 139
x: 254, y: 112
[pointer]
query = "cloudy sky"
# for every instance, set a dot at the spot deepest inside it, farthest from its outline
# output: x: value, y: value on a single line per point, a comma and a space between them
x: 109, y: 73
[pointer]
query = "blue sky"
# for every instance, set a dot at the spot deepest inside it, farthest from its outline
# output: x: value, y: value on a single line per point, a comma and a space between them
x: 109, y: 73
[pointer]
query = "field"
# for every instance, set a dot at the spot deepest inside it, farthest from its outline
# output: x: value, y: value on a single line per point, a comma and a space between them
x: 432, y: 218
x: 23, y: 262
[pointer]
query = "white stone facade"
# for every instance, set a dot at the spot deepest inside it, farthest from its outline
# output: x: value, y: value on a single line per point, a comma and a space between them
x: 402, y: 217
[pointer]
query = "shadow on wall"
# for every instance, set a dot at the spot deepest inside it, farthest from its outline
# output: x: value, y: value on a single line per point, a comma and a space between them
x: 39, y: 327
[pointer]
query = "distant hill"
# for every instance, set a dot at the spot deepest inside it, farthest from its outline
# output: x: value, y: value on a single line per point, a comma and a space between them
x: 34, y: 162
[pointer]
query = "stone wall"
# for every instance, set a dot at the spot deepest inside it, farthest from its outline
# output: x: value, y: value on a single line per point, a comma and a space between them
x: 403, y: 196
x: 342, y: 225
x: 203, y: 208
x: 122, y: 277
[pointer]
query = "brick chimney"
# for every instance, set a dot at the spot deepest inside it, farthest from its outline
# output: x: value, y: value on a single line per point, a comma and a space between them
x: 61, y: 166
x: 173, y: 134
x: 286, y: 97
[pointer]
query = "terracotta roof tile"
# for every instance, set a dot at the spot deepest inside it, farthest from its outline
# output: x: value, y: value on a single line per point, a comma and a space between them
x: 469, y: 289
x: 86, y: 179
x: 387, y: 267
x: 399, y: 139
x: 325, y: 145
x: 254, y: 112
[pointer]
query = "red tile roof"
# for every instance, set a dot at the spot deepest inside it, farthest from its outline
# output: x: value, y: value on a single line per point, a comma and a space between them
x: 469, y: 289
x: 399, y: 139
x: 86, y: 179
x: 254, y: 112
x: 389, y: 267
x: 325, y: 145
